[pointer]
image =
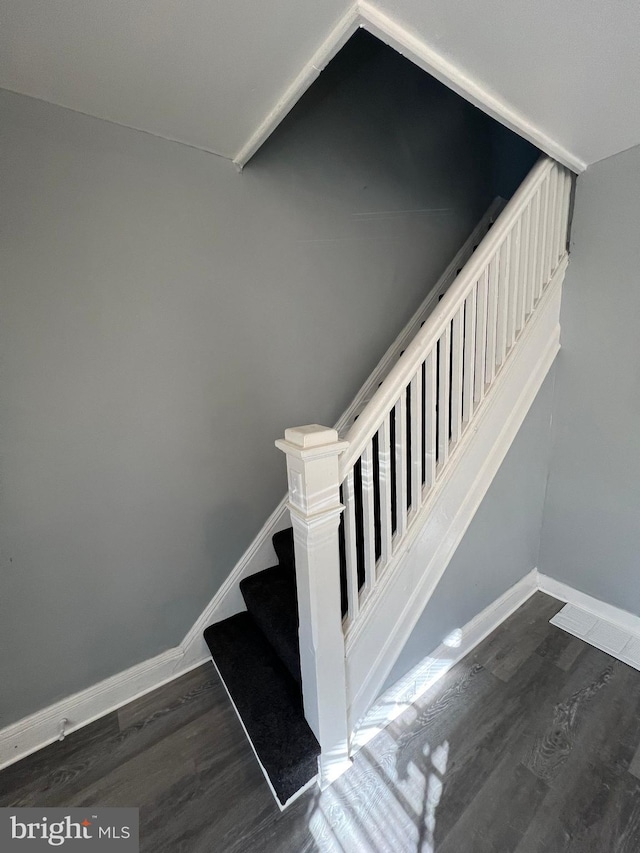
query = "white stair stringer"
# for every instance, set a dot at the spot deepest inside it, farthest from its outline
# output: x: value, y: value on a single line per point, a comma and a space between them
x: 392, y: 610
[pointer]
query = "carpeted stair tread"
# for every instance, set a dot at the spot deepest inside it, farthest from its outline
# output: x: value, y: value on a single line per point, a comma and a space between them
x: 271, y: 600
x: 283, y: 544
x: 268, y: 702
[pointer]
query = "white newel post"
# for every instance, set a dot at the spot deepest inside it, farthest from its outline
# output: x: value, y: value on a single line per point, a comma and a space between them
x: 314, y: 503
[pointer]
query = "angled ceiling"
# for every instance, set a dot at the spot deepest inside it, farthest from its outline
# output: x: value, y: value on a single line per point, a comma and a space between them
x: 219, y: 75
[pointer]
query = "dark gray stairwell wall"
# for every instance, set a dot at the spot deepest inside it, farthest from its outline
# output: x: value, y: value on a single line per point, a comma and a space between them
x: 500, y: 545
x: 164, y: 318
x: 591, y: 531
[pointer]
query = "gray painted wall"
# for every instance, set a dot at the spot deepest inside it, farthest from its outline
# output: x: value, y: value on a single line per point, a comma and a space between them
x: 164, y: 318
x: 501, y: 543
x: 591, y: 531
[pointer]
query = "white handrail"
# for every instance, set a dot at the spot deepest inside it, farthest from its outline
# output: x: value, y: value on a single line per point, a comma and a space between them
x: 401, y: 374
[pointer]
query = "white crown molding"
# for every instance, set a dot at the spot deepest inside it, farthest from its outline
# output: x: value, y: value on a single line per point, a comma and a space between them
x: 337, y: 38
x: 412, y: 47
x: 387, y: 29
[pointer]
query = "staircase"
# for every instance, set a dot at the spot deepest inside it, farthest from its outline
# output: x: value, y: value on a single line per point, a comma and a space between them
x: 378, y: 514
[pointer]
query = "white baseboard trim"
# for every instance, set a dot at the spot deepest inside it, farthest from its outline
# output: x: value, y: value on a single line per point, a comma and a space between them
x: 415, y: 48
x: 38, y: 730
x: 408, y: 689
x: 608, y: 628
x: 611, y: 629
x: 616, y: 616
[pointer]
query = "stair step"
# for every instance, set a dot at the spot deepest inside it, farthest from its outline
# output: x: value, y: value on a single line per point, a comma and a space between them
x: 268, y: 702
x: 283, y: 544
x: 272, y: 601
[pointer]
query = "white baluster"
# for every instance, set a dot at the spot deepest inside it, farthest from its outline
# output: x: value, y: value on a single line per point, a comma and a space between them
x: 481, y: 336
x: 430, y: 413
x: 492, y: 318
x: 444, y: 398
x: 368, y: 519
x: 350, y: 547
x: 562, y: 201
x: 550, y: 261
x: 384, y: 456
x: 504, y: 276
x: 401, y: 465
x: 534, y: 261
x: 524, y: 269
x: 514, y: 279
x: 456, y: 375
x: 469, y: 355
x: 416, y: 441
x: 563, y: 216
x: 543, y: 238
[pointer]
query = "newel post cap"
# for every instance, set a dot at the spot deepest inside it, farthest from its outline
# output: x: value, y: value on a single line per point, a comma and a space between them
x: 311, y: 440
x: 311, y: 435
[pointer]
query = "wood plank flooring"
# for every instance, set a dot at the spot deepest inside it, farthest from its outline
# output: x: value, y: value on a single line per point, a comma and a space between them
x: 530, y: 745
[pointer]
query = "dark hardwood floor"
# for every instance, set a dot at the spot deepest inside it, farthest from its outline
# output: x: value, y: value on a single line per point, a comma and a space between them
x: 529, y: 745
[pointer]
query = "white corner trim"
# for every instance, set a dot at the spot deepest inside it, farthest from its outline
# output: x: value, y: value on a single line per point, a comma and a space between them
x: 622, y: 619
x: 388, y: 30
x: 42, y: 728
x: 337, y: 38
x: 432, y: 668
x: 364, y: 14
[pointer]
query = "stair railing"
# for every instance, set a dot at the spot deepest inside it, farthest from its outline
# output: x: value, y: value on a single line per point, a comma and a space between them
x: 394, y: 456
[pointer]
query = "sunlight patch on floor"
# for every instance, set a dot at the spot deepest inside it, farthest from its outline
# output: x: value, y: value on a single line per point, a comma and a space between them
x: 387, y: 802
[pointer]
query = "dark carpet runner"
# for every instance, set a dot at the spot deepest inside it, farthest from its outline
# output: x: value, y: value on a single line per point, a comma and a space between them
x: 258, y: 658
